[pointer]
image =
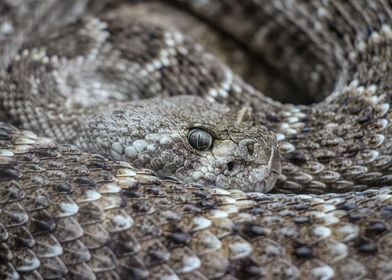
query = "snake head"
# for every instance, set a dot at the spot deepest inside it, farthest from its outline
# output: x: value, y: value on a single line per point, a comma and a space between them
x: 189, y: 138
x: 233, y: 153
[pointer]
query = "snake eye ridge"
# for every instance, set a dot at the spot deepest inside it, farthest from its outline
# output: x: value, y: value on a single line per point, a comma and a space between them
x: 200, y: 139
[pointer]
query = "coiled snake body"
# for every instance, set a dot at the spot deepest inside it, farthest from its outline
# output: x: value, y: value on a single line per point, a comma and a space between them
x: 174, y: 187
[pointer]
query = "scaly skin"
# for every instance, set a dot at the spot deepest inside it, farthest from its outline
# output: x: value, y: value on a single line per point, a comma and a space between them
x: 71, y: 214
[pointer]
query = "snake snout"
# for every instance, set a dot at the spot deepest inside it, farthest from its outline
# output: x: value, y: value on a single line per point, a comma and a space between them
x: 258, y: 174
x: 270, y: 174
x: 274, y: 167
x: 257, y: 152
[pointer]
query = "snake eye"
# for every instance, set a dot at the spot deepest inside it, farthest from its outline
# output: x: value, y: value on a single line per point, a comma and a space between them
x: 200, y: 139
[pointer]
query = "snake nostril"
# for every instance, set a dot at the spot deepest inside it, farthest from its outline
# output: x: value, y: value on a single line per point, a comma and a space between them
x: 230, y: 166
x: 251, y: 148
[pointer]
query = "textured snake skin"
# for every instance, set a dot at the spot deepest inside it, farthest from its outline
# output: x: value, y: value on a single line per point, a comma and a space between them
x: 66, y: 213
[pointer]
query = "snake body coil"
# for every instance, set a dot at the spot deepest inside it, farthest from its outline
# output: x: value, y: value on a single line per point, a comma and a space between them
x: 159, y: 188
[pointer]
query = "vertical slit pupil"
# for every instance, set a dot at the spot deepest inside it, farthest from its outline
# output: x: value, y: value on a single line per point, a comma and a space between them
x: 200, y: 139
x: 251, y: 148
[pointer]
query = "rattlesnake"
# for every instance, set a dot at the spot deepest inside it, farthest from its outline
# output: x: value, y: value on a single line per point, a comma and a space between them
x: 173, y: 201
